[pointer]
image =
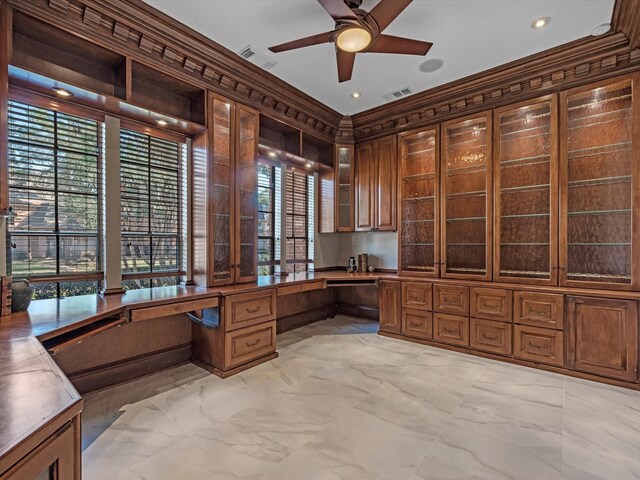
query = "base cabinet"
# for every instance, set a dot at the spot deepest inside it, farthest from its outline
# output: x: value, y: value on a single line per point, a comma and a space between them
x: 491, y: 336
x: 603, y: 337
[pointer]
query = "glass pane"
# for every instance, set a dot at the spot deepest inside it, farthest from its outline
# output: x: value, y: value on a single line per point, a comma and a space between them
x: 418, y: 182
x: 78, y: 254
x: 33, y: 255
x: 466, y: 157
x: 72, y: 289
x: 345, y: 187
x: 136, y: 254
x: 525, y: 191
x: 599, y: 203
x: 247, y: 186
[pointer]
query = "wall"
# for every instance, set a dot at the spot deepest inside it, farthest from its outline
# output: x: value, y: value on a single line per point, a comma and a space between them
x: 382, y: 248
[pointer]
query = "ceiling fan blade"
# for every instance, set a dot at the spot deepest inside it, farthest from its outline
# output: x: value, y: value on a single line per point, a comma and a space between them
x: 406, y: 46
x: 302, y: 42
x: 345, y: 64
x: 386, y: 12
x: 338, y: 9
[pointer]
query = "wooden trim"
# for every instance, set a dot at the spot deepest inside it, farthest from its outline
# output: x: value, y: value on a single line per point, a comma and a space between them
x: 235, y: 370
x: 626, y: 19
x: 553, y: 200
x: 5, y: 53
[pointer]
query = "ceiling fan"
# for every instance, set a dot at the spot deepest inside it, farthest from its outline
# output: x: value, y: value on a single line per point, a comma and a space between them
x: 358, y: 31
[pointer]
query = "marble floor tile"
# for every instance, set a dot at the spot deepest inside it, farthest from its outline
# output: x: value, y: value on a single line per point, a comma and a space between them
x: 341, y: 403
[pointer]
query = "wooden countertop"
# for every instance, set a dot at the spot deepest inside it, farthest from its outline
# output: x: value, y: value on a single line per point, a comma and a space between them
x: 35, y: 395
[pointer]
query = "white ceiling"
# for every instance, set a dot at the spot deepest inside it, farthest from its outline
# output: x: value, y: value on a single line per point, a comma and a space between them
x: 469, y: 35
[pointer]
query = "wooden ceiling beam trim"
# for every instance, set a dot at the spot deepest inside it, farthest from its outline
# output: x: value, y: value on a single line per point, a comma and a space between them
x: 135, y: 29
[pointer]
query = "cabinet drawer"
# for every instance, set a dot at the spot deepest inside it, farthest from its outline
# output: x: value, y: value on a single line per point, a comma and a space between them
x: 541, y: 345
x: 416, y: 295
x: 492, y: 304
x: 249, y: 309
x: 301, y: 287
x: 452, y: 329
x: 491, y: 336
x: 417, y: 323
x: 539, y: 309
x: 151, y: 313
x: 451, y: 299
x: 249, y: 343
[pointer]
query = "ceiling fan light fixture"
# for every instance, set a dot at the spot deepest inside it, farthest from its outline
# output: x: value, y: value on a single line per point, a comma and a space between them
x: 353, y: 39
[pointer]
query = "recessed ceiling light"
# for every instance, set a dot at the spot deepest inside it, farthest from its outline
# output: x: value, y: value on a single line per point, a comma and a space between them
x: 540, y: 23
x: 309, y: 165
x: 601, y: 29
x: 162, y: 123
x: 431, y: 65
x: 355, y: 95
x: 62, y: 92
x: 272, y: 154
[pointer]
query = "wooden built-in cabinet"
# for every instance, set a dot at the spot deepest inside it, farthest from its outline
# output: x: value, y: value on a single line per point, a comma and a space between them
x: 225, y: 195
x: 466, y: 199
x: 603, y: 337
x: 244, y: 336
x: 375, y: 185
x: 599, y: 185
x: 419, y: 228
x: 526, y: 192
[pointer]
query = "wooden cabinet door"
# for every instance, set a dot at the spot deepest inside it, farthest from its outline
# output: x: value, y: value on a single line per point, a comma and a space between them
x: 390, y: 306
x: 246, y: 196
x: 418, y: 187
x: 345, y: 187
x: 386, y: 186
x: 466, y: 212
x: 526, y: 192
x: 603, y: 336
x: 599, y: 185
x: 365, y: 186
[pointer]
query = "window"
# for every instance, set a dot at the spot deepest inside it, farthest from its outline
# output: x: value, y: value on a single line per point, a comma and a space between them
x: 267, y: 218
x: 299, y: 221
x: 153, y: 205
x: 55, y: 178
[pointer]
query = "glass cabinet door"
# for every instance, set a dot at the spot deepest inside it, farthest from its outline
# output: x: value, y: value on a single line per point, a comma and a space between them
x: 345, y: 174
x: 222, y: 179
x: 418, y: 253
x: 466, y: 204
x: 526, y: 193
x: 598, y: 177
x: 246, y: 195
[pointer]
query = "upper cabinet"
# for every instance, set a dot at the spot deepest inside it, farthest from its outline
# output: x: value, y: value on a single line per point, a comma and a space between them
x: 418, y: 229
x: 599, y: 190
x: 375, y: 185
x: 225, y: 195
x: 466, y: 199
x: 526, y: 192
x: 345, y: 192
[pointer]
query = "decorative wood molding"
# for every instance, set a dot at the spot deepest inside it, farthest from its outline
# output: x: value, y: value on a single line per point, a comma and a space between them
x: 576, y: 63
x: 139, y: 31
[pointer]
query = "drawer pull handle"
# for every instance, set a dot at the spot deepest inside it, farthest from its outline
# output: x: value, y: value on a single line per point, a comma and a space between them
x: 484, y: 303
x: 253, y: 310
x: 416, y: 324
x: 249, y: 344
x: 538, y: 347
x: 450, y: 331
x: 490, y: 337
x: 541, y: 313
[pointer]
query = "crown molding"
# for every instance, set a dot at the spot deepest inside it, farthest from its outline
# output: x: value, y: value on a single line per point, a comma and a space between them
x: 582, y: 61
x: 135, y: 29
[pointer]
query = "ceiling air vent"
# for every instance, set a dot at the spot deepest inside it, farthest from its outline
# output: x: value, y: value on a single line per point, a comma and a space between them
x: 256, y: 57
x: 403, y: 92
